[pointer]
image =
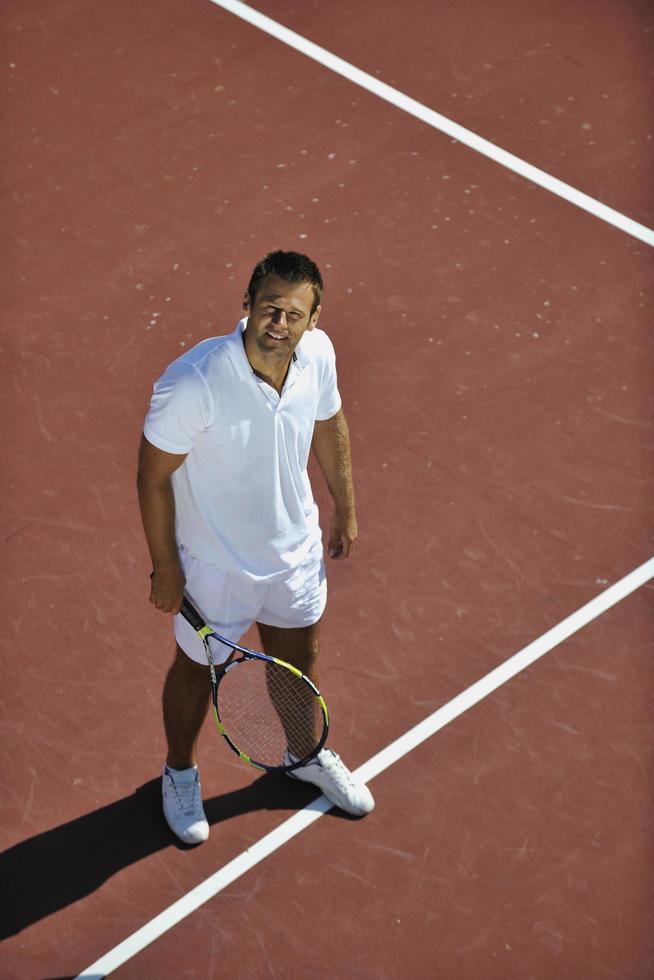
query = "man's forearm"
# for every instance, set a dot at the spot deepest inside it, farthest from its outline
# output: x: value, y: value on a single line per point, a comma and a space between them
x: 158, y: 512
x: 157, y: 504
x: 331, y: 445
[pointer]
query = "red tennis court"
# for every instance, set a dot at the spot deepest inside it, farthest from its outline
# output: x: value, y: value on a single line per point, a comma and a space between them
x: 495, y: 357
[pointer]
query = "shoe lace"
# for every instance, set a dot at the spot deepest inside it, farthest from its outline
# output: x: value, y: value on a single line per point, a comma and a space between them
x: 337, y: 770
x: 187, y: 796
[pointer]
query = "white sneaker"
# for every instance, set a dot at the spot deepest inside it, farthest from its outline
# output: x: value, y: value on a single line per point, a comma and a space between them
x: 182, y: 804
x: 331, y: 775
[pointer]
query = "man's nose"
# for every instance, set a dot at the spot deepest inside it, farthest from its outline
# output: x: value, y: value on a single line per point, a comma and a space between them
x: 280, y: 317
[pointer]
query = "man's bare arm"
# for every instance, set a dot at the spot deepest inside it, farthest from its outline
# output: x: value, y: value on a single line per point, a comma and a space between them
x: 331, y: 445
x: 158, y: 514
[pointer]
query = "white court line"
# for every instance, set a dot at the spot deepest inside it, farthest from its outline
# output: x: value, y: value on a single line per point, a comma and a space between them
x: 396, y: 750
x: 437, y: 121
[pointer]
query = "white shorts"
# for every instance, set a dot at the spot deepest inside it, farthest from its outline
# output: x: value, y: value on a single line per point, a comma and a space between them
x: 231, y: 603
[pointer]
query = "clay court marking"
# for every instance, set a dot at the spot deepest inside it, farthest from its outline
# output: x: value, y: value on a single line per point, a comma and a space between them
x: 378, y: 763
x: 436, y: 120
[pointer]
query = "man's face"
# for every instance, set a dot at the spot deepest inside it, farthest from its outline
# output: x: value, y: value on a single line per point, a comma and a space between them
x: 279, y: 317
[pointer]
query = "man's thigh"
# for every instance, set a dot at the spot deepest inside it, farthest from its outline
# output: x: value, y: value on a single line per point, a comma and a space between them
x: 299, y: 646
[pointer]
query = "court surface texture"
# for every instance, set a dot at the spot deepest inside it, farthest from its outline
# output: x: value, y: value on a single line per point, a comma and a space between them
x: 474, y: 181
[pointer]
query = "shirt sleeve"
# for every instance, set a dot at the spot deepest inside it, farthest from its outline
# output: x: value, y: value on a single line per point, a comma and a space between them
x: 180, y: 409
x: 329, y: 401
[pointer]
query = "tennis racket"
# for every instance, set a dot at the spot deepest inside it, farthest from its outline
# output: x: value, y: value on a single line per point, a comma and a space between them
x: 263, y: 707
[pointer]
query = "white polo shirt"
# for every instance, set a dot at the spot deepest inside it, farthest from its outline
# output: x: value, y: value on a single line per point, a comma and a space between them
x: 243, y: 500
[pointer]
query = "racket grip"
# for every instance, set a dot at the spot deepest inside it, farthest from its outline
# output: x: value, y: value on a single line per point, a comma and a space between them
x: 191, y: 615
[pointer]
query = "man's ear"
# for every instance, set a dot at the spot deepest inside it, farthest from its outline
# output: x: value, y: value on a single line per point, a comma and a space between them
x: 246, y: 301
x: 314, y: 318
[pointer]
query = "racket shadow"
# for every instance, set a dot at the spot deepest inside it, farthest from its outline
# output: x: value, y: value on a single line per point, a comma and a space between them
x: 50, y: 871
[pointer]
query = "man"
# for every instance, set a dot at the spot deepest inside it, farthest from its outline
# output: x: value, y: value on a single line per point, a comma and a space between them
x: 228, y: 511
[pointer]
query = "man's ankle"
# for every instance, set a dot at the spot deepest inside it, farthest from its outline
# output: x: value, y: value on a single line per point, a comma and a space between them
x: 180, y: 763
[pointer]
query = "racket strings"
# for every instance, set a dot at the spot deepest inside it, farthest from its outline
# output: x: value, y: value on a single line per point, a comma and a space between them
x: 266, y: 709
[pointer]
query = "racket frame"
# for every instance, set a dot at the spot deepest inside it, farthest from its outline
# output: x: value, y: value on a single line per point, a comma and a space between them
x: 205, y: 632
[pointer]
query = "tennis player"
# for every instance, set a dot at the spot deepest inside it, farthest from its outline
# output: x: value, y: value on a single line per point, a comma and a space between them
x: 228, y: 510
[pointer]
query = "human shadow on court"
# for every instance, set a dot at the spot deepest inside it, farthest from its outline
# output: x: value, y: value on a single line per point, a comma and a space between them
x: 48, y: 872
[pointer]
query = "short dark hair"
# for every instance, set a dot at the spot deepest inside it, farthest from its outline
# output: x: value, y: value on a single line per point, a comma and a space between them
x: 290, y: 266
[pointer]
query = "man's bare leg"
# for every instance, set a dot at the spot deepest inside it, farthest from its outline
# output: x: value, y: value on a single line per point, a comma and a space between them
x: 300, y: 647
x: 328, y: 772
x: 186, y: 698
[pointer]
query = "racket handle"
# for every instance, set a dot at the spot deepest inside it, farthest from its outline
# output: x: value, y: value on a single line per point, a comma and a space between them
x: 191, y: 615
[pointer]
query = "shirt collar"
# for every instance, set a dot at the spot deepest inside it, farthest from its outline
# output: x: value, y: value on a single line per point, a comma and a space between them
x: 237, y: 350
x: 300, y: 354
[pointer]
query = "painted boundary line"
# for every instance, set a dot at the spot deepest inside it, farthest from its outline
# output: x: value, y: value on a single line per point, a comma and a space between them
x: 436, y: 120
x: 378, y: 763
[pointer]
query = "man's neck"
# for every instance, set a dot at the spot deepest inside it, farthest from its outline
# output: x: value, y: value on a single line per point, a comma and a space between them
x: 272, y: 371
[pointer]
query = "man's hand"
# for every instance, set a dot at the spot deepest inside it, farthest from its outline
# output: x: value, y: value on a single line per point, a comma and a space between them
x: 343, y: 533
x: 167, y: 589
